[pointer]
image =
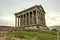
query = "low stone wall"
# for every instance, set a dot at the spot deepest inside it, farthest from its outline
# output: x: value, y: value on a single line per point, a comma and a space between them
x: 23, y: 28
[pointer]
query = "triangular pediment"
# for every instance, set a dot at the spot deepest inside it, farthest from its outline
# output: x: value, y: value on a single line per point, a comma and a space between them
x: 39, y: 7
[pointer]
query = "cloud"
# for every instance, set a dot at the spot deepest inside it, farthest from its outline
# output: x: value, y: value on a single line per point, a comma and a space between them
x: 52, y: 19
x: 7, y: 20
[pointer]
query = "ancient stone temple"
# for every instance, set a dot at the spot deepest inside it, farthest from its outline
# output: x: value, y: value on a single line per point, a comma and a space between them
x: 31, y: 18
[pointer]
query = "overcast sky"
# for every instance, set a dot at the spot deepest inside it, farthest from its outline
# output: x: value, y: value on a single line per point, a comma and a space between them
x: 9, y: 7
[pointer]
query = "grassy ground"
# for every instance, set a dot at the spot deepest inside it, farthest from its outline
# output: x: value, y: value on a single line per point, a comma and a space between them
x: 31, y: 35
x: 59, y: 34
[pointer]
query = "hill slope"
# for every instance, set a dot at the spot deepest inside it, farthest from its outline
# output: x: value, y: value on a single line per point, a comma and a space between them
x: 31, y: 35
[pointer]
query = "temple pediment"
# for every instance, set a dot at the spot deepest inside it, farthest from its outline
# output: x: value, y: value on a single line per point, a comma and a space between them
x: 36, y: 7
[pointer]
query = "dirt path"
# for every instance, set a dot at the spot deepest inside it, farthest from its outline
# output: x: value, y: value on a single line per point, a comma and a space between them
x: 10, y: 38
x: 2, y: 38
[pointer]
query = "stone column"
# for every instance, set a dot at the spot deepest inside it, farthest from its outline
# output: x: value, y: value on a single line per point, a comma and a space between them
x: 32, y: 18
x: 37, y: 17
x: 25, y: 19
x: 22, y: 20
x: 44, y: 19
x: 18, y: 21
x: 29, y: 18
x: 41, y: 19
x: 15, y: 21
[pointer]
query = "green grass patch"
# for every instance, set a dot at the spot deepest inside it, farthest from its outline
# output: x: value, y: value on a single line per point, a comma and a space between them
x: 34, y: 35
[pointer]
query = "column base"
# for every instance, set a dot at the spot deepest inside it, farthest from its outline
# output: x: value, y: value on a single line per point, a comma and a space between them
x: 42, y: 28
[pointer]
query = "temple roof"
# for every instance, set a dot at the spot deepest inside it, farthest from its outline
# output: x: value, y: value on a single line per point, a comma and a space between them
x: 38, y: 6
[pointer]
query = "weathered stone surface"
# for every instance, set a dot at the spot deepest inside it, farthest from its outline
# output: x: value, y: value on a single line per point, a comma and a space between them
x: 31, y: 18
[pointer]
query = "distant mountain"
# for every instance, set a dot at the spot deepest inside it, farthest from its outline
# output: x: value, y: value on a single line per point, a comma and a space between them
x: 6, y: 26
x: 55, y: 27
